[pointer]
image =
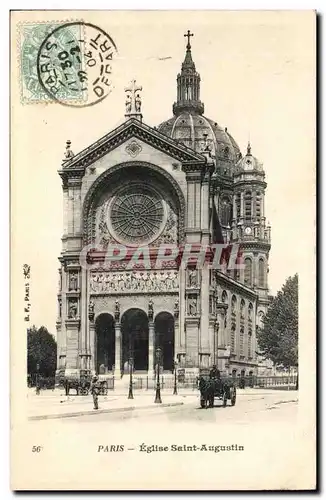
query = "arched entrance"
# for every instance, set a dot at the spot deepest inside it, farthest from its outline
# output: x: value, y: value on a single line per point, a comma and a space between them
x: 105, y: 342
x: 164, y: 338
x: 134, y: 333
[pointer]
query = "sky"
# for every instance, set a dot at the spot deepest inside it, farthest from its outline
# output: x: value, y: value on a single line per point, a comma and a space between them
x: 257, y: 79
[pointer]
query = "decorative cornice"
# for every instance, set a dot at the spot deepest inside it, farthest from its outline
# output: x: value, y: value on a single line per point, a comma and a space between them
x: 254, y: 245
x: 234, y: 285
x: 131, y: 128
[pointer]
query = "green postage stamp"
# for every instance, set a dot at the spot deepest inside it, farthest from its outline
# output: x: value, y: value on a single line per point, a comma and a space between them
x: 31, y: 37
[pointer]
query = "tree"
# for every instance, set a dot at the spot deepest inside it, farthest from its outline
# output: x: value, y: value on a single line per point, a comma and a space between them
x: 278, y: 338
x: 42, y: 350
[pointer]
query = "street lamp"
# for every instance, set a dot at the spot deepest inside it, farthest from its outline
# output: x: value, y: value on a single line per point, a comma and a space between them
x: 175, y: 391
x: 130, y: 395
x: 158, y: 388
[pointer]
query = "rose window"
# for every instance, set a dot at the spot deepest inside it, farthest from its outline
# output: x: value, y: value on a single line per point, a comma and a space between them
x: 137, y: 215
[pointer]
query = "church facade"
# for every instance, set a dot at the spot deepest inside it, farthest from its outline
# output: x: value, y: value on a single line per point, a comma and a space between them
x: 184, y: 182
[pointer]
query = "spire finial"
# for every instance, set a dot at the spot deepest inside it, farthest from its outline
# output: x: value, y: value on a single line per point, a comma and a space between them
x: 249, y: 148
x: 188, y: 35
x: 68, y: 153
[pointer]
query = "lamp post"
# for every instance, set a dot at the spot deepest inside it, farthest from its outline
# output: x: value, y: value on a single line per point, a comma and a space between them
x: 158, y: 388
x: 175, y: 391
x: 130, y: 395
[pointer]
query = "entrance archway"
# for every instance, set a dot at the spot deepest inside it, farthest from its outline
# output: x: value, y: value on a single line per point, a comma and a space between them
x: 164, y: 338
x: 105, y: 342
x: 134, y: 334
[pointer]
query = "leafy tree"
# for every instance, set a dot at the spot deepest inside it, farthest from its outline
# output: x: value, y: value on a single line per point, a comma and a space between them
x: 41, y: 349
x: 278, y: 338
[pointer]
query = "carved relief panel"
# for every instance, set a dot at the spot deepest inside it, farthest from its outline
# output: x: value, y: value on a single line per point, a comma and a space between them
x: 134, y: 282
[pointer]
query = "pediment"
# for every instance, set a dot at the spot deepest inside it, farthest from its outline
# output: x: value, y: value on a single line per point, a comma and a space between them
x: 132, y: 128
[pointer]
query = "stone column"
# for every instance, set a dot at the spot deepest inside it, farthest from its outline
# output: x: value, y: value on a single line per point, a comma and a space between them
x: 193, y: 216
x: 92, y: 344
x: 72, y: 328
x: 177, y: 341
x: 117, y: 359
x: 151, y: 334
x: 205, y: 209
x: 241, y: 205
x: 151, y: 340
x: 221, y: 341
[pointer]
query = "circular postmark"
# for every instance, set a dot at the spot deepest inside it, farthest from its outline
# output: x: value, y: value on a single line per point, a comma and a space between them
x: 74, y: 64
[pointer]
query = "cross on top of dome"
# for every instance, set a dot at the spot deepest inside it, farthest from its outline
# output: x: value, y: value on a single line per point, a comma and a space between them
x: 188, y: 35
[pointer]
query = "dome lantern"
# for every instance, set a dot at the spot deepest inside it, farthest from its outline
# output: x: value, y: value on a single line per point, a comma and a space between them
x: 188, y: 85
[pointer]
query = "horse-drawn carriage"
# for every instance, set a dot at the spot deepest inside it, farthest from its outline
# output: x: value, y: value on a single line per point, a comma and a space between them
x: 81, y: 383
x: 219, y: 388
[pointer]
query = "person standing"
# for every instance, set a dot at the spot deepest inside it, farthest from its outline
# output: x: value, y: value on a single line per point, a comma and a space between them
x: 94, y: 390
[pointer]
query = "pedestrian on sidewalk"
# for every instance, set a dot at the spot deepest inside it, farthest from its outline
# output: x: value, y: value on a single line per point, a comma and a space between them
x: 95, y: 390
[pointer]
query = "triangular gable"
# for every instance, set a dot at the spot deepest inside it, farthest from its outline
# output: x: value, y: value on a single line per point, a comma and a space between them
x: 133, y: 128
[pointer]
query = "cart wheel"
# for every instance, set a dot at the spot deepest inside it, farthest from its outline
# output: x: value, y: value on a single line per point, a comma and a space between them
x: 233, y: 397
x: 225, y: 399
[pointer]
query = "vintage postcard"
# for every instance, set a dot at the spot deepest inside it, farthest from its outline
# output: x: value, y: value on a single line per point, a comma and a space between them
x: 163, y: 169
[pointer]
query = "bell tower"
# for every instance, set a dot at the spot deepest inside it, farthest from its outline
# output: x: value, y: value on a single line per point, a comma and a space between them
x: 249, y: 222
x: 188, y: 85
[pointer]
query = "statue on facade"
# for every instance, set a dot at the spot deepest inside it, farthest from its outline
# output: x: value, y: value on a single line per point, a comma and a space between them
x: 117, y: 310
x: 192, y: 277
x: 193, y: 307
x: 150, y: 310
x: 138, y: 103
x: 68, y: 153
x: 91, y: 306
x: 73, y: 281
x: 73, y: 310
x: 128, y: 104
x: 176, y: 309
x: 133, y: 100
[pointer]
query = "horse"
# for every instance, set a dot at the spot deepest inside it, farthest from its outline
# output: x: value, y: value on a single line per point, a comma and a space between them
x: 207, y: 391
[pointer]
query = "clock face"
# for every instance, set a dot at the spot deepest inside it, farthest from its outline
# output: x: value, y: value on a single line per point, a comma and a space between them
x: 248, y: 230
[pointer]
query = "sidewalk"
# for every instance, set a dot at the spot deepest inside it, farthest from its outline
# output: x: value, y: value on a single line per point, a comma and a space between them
x: 61, y: 406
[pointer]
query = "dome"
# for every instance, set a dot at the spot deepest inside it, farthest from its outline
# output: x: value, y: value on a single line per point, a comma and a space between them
x: 190, y: 127
x: 248, y: 163
x: 196, y: 131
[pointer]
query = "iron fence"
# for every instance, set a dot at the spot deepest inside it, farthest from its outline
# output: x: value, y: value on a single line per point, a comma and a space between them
x: 44, y: 382
x: 239, y: 382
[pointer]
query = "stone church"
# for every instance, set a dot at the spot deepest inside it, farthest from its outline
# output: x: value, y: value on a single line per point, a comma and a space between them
x: 182, y: 182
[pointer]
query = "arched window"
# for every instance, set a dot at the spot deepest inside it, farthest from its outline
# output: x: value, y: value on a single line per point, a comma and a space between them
x: 226, y: 211
x: 232, y: 338
x: 258, y: 205
x: 241, y: 341
x: 242, y: 308
x: 233, y: 304
x: 250, y: 311
x: 238, y: 204
x: 247, y: 204
x: 224, y: 297
x: 250, y: 343
x: 248, y: 271
x: 261, y: 272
